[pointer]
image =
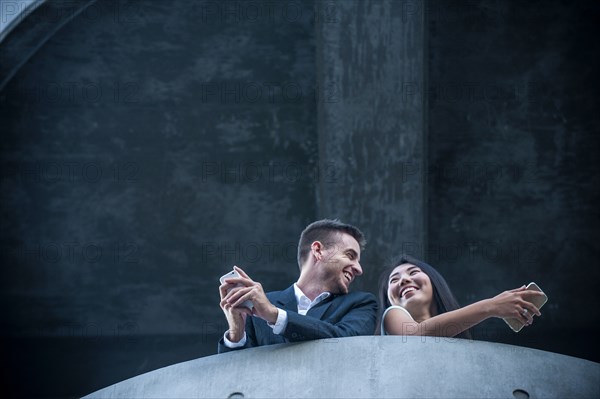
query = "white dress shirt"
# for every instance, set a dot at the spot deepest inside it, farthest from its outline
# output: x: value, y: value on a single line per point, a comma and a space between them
x: 304, y: 305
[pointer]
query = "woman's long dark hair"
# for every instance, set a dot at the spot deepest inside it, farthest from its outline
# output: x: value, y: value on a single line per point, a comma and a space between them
x: 443, y: 297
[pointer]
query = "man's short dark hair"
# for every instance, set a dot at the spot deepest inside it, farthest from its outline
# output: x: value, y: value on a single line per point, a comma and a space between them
x: 325, y: 231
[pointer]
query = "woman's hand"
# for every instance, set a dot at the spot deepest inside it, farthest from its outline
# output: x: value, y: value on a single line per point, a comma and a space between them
x: 509, y: 304
x: 515, y: 304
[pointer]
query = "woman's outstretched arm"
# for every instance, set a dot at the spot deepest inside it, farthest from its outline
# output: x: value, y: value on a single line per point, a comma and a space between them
x: 509, y: 304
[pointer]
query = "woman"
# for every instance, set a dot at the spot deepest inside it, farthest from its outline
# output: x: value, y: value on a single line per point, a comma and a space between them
x: 416, y: 300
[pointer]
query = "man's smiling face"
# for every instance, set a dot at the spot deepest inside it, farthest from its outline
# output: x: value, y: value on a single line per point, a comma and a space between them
x: 340, y: 265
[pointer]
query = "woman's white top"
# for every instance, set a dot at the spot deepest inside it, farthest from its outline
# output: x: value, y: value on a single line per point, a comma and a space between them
x: 385, y: 313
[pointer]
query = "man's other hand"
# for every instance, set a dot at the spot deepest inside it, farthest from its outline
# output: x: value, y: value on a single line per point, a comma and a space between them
x: 250, y: 290
x: 236, y: 316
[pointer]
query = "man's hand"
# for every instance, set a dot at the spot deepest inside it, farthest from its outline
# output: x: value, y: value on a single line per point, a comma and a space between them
x: 250, y: 291
x: 236, y: 317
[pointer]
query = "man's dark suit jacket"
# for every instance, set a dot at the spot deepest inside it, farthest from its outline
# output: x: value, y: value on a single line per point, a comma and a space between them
x: 337, y: 316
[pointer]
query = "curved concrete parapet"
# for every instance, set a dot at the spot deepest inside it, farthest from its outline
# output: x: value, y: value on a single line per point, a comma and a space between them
x: 13, y: 12
x: 37, y: 22
x: 371, y: 367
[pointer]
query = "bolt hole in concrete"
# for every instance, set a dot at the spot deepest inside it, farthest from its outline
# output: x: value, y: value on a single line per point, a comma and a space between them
x: 237, y: 395
x: 520, y: 394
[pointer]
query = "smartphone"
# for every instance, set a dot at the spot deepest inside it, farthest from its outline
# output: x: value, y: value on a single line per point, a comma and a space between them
x: 233, y: 274
x: 515, y: 324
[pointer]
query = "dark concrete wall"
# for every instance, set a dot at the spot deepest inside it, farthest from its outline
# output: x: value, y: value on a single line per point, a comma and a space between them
x: 371, y: 134
x: 148, y: 145
x: 513, y: 164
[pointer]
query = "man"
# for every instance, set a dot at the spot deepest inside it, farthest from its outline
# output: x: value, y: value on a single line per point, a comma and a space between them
x: 319, y: 305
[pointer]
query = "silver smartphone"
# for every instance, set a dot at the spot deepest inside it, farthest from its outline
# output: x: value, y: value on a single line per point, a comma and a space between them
x: 234, y: 274
x: 515, y: 324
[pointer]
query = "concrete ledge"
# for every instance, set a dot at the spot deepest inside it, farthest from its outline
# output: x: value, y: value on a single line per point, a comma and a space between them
x: 13, y: 12
x: 371, y: 367
x: 30, y: 28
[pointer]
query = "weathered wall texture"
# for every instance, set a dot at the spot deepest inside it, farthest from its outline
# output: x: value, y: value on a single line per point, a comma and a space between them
x: 148, y: 146
x: 513, y: 166
x: 371, y: 127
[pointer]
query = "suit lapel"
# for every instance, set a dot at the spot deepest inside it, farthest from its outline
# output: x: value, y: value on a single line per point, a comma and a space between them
x: 318, y: 311
x: 286, y: 300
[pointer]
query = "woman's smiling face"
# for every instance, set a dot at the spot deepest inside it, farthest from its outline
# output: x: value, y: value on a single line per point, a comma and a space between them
x: 410, y: 287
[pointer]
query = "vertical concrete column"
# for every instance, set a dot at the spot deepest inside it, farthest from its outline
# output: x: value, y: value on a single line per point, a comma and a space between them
x: 371, y: 120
